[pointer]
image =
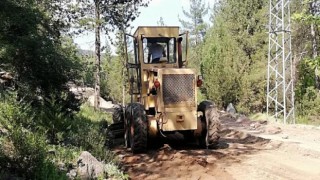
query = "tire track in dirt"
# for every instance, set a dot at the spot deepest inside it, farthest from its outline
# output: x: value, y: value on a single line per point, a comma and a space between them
x: 177, y: 160
x: 240, y: 155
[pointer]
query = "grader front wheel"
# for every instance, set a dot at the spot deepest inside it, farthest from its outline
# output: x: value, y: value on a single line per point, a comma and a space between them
x: 210, y: 136
x: 117, y: 115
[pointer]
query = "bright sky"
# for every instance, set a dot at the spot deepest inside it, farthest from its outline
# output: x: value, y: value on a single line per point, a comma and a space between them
x: 169, y: 10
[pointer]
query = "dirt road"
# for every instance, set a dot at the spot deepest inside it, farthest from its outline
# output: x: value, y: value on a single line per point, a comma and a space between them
x: 247, y: 150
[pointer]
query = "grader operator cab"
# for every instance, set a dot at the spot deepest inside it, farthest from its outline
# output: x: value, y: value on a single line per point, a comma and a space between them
x: 163, y: 92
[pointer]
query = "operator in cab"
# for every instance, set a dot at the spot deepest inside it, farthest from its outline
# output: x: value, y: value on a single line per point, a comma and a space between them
x: 156, y: 51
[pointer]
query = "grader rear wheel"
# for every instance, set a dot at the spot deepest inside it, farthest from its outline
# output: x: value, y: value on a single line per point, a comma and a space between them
x: 117, y: 115
x: 126, y: 134
x: 137, y: 127
x: 210, y: 136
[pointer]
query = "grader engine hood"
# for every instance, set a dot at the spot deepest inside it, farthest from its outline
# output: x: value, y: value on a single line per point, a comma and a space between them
x: 177, y: 100
x: 178, y: 87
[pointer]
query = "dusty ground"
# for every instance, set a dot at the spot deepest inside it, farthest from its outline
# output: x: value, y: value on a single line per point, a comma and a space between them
x: 247, y: 150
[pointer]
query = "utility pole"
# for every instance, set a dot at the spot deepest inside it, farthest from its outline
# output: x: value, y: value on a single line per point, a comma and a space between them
x: 280, y: 92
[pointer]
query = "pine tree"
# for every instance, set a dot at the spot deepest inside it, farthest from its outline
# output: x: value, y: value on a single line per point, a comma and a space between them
x: 114, y: 85
x: 234, y: 55
x: 307, y: 22
x: 33, y: 48
x: 108, y: 15
x: 160, y: 22
x: 196, y: 25
x: 305, y: 33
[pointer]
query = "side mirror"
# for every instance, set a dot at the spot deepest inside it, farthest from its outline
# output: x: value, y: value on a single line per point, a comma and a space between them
x: 183, y: 46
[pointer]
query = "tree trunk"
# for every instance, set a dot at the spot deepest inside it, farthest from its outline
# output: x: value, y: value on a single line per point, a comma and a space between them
x: 97, y: 51
x: 314, y: 41
x: 313, y: 8
x: 123, y: 90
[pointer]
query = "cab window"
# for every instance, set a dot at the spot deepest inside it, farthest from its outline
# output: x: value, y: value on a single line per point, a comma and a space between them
x: 159, y: 50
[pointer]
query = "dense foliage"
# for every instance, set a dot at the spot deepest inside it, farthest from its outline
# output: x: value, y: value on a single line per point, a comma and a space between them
x: 114, y: 85
x: 35, y: 141
x: 234, y: 55
x: 32, y: 49
x: 42, y: 126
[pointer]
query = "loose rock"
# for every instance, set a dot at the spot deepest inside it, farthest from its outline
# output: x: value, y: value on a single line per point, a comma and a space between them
x: 285, y: 137
x: 72, y: 174
x: 231, y: 109
x: 88, y: 166
x: 242, y: 118
x: 255, y: 125
x: 273, y: 130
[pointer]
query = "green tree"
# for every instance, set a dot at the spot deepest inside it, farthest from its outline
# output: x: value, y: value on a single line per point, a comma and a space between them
x: 108, y: 15
x: 107, y: 58
x: 33, y: 50
x: 234, y: 55
x: 115, y: 83
x: 87, y: 75
x: 161, y: 22
x: 305, y: 32
x: 196, y: 25
x: 307, y: 19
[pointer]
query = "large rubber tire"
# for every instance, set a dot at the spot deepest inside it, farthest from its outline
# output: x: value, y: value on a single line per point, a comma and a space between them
x: 118, y: 115
x: 210, y: 136
x: 137, y: 127
x: 205, y: 105
x: 127, y: 133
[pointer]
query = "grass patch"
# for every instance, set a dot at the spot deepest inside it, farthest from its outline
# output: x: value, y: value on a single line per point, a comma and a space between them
x: 262, y: 117
x: 45, y: 142
x: 89, y: 113
x: 112, y: 170
x: 309, y: 120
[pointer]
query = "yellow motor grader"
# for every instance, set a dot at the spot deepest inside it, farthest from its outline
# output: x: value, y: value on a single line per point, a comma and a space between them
x: 163, y: 92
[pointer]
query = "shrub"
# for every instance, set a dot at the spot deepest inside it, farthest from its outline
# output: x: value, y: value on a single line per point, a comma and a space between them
x: 38, y: 139
x: 113, y: 170
x: 89, y: 113
x: 308, y: 107
x: 23, y: 148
